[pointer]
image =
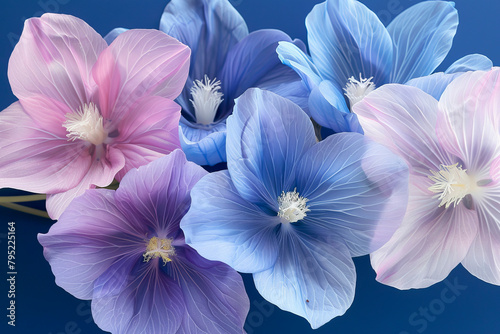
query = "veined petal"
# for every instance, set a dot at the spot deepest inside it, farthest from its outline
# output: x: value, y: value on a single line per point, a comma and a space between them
x: 224, y: 227
x: 36, y: 160
x: 265, y: 136
x: 434, y: 84
x: 431, y: 241
x: 311, y: 278
x: 209, y: 27
x: 341, y: 47
x: 356, y: 189
x: 249, y: 62
x: 291, y: 55
x: 468, y: 120
x: 483, y: 258
x: 472, y: 62
x: 150, y: 302
x: 404, y: 119
x: 88, y: 238
x: 156, y: 196
x: 139, y: 63
x: 422, y: 36
x: 204, y: 146
x: 214, y: 294
x: 99, y: 173
x: 111, y: 36
x: 54, y: 58
x: 147, y: 132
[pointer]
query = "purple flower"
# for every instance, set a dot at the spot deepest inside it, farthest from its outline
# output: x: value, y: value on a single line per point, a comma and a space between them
x: 294, y: 212
x: 452, y: 147
x: 124, y: 250
x: 87, y: 112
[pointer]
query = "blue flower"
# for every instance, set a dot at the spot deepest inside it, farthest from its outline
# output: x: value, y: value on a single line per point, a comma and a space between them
x: 294, y: 212
x: 225, y: 61
x: 352, y: 53
x: 124, y: 250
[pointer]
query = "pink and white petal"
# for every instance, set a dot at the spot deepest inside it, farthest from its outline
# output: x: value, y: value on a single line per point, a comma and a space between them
x: 137, y: 64
x: 469, y: 119
x: 147, y: 132
x: 33, y: 159
x: 47, y: 114
x: 431, y: 241
x: 100, y: 173
x: 404, y: 119
x: 54, y: 58
x: 483, y: 258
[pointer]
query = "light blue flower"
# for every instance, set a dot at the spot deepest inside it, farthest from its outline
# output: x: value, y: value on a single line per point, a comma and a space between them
x: 293, y: 211
x: 225, y: 61
x: 352, y: 53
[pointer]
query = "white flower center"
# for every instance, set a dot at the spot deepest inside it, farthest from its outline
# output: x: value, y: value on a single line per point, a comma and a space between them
x: 292, y: 207
x: 159, y: 248
x: 356, y: 90
x: 451, y: 184
x: 86, y: 124
x: 206, y: 99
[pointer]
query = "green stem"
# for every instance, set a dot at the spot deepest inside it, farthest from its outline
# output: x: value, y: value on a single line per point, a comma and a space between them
x: 19, y: 199
x: 25, y: 209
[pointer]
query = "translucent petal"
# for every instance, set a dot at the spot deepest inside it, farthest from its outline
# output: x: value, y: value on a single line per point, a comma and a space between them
x: 472, y: 62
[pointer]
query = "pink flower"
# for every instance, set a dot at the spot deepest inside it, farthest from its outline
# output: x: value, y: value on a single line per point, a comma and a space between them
x: 453, y: 150
x: 87, y: 112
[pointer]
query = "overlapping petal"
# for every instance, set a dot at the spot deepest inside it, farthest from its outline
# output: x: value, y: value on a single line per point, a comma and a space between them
x: 422, y: 36
x: 266, y: 135
x: 139, y: 63
x: 355, y: 188
x: 472, y: 62
x: 342, y: 47
x: 222, y: 226
x: 311, y: 278
x: 204, y: 146
x: 209, y: 27
x: 431, y: 242
x: 434, y: 84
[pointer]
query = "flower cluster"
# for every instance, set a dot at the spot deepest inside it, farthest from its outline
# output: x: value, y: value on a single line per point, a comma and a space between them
x: 410, y: 173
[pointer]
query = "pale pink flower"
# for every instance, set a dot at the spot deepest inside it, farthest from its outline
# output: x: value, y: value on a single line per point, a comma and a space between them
x: 452, y: 147
x: 87, y: 112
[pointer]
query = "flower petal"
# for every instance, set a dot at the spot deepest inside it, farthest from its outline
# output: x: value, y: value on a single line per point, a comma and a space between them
x: 224, y: 227
x: 468, y: 119
x: 204, y: 146
x: 100, y: 173
x: 249, y: 62
x: 472, y: 62
x: 209, y: 27
x: 311, y: 278
x: 422, y: 36
x: 483, y: 258
x: 149, y: 302
x: 355, y: 188
x: 434, y: 84
x: 431, y: 241
x: 35, y: 160
x: 54, y: 58
x: 147, y: 132
x: 111, y: 36
x: 156, y: 196
x: 404, y: 119
x: 214, y: 294
x: 88, y: 238
x: 139, y: 63
x: 341, y: 47
x: 291, y: 55
x: 265, y: 136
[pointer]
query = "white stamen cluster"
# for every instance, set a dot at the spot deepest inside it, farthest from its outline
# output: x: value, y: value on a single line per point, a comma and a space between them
x: 86, y: 124
x: 292, y: 207
x: 159, y: 248
x: 206, y: 99
x: 451, y: 184
x: 356, y: 90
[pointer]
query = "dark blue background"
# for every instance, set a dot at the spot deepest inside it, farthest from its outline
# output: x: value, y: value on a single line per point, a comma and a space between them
x: 43, y: 307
